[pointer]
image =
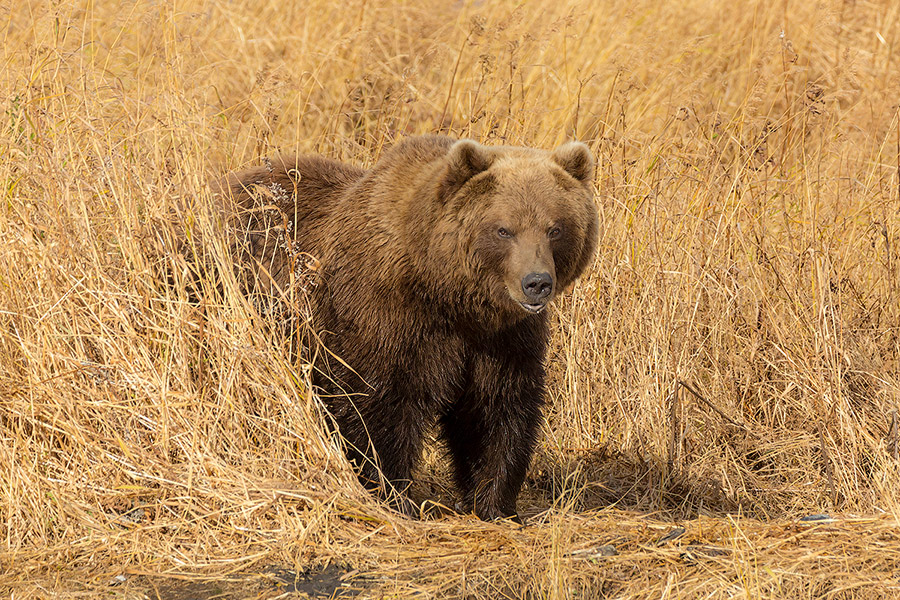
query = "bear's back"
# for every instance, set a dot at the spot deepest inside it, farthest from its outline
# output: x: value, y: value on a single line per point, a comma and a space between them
x: 284, y: 209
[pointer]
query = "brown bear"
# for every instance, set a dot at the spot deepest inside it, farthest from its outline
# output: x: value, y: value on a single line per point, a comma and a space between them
x: 435, y: 271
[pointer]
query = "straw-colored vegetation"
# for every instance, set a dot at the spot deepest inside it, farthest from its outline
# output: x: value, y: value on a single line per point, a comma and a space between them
x: 730, y: 364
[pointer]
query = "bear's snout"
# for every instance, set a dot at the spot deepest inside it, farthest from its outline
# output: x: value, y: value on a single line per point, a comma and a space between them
x: 537, y: 288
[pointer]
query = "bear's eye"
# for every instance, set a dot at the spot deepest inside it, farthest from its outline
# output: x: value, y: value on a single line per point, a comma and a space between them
x: 554, y: 233
x: 504, y: 233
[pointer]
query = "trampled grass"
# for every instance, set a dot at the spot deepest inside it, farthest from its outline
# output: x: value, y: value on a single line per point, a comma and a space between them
x: 728, y: 366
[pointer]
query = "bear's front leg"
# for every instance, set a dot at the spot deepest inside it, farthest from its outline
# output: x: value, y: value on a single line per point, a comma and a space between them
x: 492, y: 431
x: 383, y: 435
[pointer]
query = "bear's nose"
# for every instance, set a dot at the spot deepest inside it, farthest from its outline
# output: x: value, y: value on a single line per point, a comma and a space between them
x: 537, y: 286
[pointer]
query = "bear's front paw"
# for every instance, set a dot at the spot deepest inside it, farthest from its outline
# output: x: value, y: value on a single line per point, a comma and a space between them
x: 405, y: 506
x: 493, y: 513
x: 499, y: 516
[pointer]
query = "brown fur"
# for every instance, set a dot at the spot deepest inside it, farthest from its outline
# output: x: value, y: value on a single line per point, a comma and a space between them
x: 436, y: 265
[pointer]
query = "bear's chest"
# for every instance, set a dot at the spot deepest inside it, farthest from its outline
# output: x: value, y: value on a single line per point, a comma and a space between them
x: 384, y: 350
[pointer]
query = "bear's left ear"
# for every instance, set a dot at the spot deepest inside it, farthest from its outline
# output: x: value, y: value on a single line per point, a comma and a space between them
x: 465, y: 160
x: 577, y: 160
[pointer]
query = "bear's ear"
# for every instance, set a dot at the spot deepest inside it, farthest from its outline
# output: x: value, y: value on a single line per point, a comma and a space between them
x: 577, y: 160
x: 465, y: 160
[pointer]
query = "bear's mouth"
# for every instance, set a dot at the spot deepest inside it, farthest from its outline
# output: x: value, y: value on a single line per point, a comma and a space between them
x: 533, y: 308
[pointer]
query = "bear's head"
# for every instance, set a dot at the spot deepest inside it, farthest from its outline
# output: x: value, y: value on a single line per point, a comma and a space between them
x: 523, y: 221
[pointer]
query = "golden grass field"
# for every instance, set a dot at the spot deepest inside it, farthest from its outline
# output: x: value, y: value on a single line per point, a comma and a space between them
x: 729, y: 365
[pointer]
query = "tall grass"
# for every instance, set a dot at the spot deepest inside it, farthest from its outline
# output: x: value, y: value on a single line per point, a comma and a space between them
x: 729, y: 363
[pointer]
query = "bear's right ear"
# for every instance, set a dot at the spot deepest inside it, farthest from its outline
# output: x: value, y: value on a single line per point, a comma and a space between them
x: 465, y: 160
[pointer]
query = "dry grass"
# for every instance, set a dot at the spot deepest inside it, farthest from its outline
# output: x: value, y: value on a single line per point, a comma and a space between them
x: 730, y: 364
